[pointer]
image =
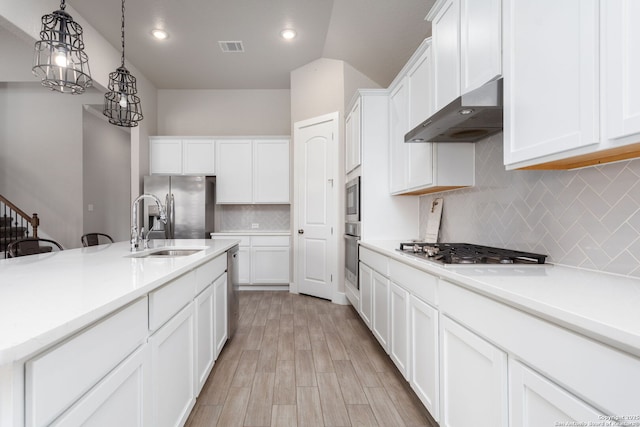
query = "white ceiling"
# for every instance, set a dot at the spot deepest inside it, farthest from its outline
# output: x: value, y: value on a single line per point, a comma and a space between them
x: 375, y: 36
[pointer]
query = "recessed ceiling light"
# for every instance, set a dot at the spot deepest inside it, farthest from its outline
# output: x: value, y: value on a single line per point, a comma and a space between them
x: 288, y: 34
x: 159, y: 34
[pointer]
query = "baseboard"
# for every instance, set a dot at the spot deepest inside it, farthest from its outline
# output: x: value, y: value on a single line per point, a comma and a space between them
x: 263, y: 287
x: 340, y: 298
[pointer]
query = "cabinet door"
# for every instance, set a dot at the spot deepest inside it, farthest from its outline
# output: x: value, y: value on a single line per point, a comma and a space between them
x: 270, y: 265
x: 122, y: 398
x: 551, y: 91
x: 173, y: 371
x: 165, y: 156
x: 380, y: 320
x: 473, y: 379
x: 480, y: 42
x: 271, y: 171
x: 445, y: 28
x: 352, y: 138
x: 399, y: 328
x: 621, y: 64
x: 234, y: 171
x: 244, y: 265
x: 420, y: 155
x: 365, y: 276
x: 198, y: 157
x: 205, y: 351
x: 423, y: 331
x: 398, y: 127
x: 220, y: 291
x: 535, y: 401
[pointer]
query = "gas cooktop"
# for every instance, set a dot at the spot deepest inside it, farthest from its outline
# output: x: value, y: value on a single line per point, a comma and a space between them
x: 466, y: 253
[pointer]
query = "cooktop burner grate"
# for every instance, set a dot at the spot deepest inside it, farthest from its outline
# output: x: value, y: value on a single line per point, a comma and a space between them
x: 466, y: 253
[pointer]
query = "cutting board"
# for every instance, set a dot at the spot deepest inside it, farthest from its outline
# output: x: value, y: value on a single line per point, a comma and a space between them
x: 433, y: 220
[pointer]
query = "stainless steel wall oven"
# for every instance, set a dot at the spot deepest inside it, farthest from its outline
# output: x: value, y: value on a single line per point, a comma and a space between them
x: 351, y: 237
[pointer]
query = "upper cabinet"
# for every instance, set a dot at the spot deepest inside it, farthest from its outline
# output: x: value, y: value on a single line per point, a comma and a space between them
x: 420, y: 168
x: 252, y: 171
x: 353, y: 139
x: 467, y: 46
x: 176, y: 156
x: 578, y: 103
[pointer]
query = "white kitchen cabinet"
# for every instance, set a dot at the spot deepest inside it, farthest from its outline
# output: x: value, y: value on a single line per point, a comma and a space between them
x: 221, y: 329
x: 424, y: 351
x: 263, y: 259
x: 473, y: 379
x: 480, y: 43
x: 122, y: 398
x: 621, y: 67
x: 551, y: 72
x: 380, y: 315
x: 536, y: 401
x: 271, y: 171
x: 421, y: 168
x: 205, y: 335
x: 399, y: 328
x: 234, y: 166
x: 353, y: 142
x: 181, y: 156
x: 173, y: 370
x: 365, y: 276
x: 445, y: 28
x: 252, y: 171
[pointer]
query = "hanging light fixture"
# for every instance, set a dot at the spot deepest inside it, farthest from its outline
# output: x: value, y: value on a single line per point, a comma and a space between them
x: 121, y: 104
x: 60, y: 60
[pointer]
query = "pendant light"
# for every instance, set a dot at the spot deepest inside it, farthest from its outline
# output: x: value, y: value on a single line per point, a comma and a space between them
x: 60, y: 60
x: 121, y: 104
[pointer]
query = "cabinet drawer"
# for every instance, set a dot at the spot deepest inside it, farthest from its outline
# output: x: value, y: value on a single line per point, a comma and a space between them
x: 597, y: 373
x: 59, y: 377
x: 169, y: 299
x: 270, y: 241
x: 421, y: 284
x: 378, y: 262
x: 207, y: 273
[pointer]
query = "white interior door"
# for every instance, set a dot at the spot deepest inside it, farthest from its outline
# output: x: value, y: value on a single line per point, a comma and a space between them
x: 316, y: 246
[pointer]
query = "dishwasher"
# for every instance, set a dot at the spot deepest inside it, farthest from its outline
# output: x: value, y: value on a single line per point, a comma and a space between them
x: 233, y: 302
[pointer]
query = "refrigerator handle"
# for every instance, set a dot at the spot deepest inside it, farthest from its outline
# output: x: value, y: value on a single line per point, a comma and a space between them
x: 173, y: 217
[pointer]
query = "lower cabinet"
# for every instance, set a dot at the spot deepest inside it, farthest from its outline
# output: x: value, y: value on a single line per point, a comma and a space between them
x: 365, y: 275
x: 423, y: 339
x: 536, y: 401
x: 380, y: 320
x: 473, y: 378
x: 122, y: 398
x: 220, y: 312
x: 172, y: 367
x: 399, y: 328
x: 205, y: 335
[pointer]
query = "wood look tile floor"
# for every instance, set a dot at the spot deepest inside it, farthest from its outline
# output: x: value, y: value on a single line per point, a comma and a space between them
x: 301, y: 361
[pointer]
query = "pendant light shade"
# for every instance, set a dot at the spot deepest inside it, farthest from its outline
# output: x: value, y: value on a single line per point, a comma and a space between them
x: 121, y: 104
x: 59, y: 59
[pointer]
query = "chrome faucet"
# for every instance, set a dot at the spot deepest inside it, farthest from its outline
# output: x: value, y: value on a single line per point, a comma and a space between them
x: 135, y: 235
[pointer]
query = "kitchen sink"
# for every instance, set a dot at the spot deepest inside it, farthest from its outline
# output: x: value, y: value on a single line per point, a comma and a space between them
x: 167, y: 253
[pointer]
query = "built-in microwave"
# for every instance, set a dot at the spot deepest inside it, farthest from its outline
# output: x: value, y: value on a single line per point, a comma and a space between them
x: 352, y: 203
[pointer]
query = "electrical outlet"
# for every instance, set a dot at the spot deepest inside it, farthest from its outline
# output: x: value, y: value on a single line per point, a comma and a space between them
x: 255, y: 225
x: 90, y: 207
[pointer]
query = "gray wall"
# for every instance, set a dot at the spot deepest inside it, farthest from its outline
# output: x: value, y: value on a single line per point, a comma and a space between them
x: 587, y: 218
x: 105, y: 175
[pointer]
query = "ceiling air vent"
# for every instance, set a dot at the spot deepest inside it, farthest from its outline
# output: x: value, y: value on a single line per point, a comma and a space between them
x: 234, y: 47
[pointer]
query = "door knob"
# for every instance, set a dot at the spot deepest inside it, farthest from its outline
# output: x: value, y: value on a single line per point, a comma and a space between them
x: 301, y: 231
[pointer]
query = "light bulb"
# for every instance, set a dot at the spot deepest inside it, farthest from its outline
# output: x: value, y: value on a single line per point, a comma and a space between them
x: 60, y: 57
x: 123, y: 100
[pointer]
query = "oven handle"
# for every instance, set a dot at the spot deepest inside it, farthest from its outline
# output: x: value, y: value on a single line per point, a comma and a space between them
x: 351, y: 237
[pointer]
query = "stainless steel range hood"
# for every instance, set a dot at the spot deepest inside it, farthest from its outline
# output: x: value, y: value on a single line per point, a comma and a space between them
x: 469, y: 118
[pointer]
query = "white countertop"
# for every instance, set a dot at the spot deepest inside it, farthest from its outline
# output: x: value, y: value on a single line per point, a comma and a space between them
x: 251, y: 233
x: 44, y: 298
x: 603, y: 306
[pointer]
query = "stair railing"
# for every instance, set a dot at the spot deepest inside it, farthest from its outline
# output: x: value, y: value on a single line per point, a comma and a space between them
x: 15, y: 224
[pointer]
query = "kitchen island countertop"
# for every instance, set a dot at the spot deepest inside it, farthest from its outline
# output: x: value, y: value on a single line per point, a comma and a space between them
x: 44, y: 298
x: 603, y: 306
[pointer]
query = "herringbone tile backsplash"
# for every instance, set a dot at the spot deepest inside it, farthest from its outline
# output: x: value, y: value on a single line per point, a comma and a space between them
x: 588, y: 218
x: 240, y: 217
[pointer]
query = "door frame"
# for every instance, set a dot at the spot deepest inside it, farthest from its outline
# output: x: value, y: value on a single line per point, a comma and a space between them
x: 333, y: 257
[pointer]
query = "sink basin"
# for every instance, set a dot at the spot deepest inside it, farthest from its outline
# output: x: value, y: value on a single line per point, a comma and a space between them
x: 168, y: 253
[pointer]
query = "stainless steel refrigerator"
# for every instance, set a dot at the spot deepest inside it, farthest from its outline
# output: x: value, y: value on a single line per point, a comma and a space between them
x: 189, y: 201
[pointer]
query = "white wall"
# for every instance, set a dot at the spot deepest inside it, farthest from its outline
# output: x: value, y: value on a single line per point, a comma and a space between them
x: 41, y: 155
x: 224, y: 112
x: 106, y: 181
